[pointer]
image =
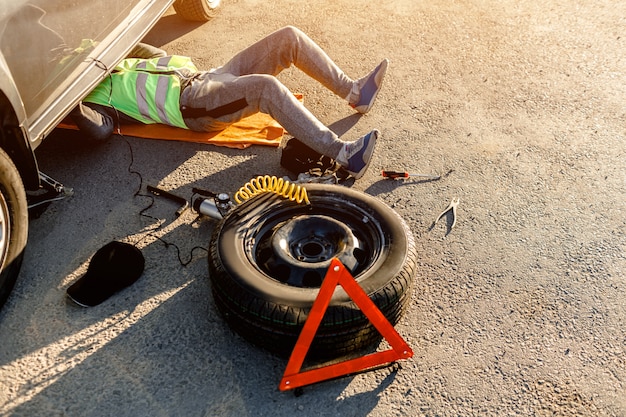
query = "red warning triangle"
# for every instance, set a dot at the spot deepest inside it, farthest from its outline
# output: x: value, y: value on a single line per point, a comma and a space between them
x: 338, y: 274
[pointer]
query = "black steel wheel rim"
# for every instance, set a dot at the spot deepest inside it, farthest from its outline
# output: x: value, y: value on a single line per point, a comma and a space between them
x: 294, y: 244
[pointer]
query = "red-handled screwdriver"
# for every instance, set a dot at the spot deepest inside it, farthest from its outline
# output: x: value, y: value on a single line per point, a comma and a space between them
x: 397, y: 174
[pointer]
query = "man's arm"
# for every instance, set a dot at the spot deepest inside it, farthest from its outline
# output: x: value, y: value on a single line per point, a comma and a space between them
x: 93, y: 121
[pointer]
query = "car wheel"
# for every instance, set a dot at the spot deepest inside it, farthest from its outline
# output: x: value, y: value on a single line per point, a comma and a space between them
x: 13, y: 225
x: 269, y: 256
x: 197, y: 10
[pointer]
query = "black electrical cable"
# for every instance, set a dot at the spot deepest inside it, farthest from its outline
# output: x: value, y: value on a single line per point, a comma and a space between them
x: 138, y: 193
x: 143, y: 211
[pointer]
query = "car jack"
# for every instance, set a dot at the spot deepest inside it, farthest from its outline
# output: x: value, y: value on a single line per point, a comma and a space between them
x: 49, y: 190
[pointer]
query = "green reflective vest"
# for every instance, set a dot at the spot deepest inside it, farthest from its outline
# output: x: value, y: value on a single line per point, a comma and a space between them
x: 147, y: 90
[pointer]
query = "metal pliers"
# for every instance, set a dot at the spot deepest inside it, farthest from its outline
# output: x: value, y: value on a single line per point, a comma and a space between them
x: 452, y: 206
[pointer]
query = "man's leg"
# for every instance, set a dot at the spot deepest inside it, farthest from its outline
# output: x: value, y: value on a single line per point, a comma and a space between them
x: 257, y: 93
x: 290, y: 46
x: 283, y: 48
x: 264, y: 93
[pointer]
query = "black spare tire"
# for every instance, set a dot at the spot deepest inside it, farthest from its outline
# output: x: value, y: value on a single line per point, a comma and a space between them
x: 269, y: 255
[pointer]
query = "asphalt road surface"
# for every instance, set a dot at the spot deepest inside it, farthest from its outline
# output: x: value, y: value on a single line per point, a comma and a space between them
x: 518, y: 310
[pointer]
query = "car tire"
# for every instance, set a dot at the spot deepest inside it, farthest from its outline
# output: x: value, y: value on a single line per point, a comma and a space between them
x: 13, y: 225
x: 197, y: 10
x: 269, y: 255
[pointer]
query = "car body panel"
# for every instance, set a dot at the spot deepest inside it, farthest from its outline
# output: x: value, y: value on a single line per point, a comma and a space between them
x: 54, y: 52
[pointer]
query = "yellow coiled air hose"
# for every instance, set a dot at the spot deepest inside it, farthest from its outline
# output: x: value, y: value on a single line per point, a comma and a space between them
x: 267, y: 184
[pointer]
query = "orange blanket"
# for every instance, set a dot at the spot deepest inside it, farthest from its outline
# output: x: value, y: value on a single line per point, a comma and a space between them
x: 258, y: 129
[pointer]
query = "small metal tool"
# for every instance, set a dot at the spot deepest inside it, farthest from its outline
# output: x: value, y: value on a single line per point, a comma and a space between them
x: 452, y: 206
x: 183, y: 203
x: 398, y: 174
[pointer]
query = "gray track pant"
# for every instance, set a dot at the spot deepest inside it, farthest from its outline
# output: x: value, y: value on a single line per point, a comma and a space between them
x: 250, y: 75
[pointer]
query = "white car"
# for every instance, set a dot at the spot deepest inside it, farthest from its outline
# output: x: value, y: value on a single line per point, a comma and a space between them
x: 52, y: 54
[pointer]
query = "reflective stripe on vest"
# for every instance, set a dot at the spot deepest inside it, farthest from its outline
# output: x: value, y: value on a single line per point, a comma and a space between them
x: 161, y: 63
x: 144, y: 97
